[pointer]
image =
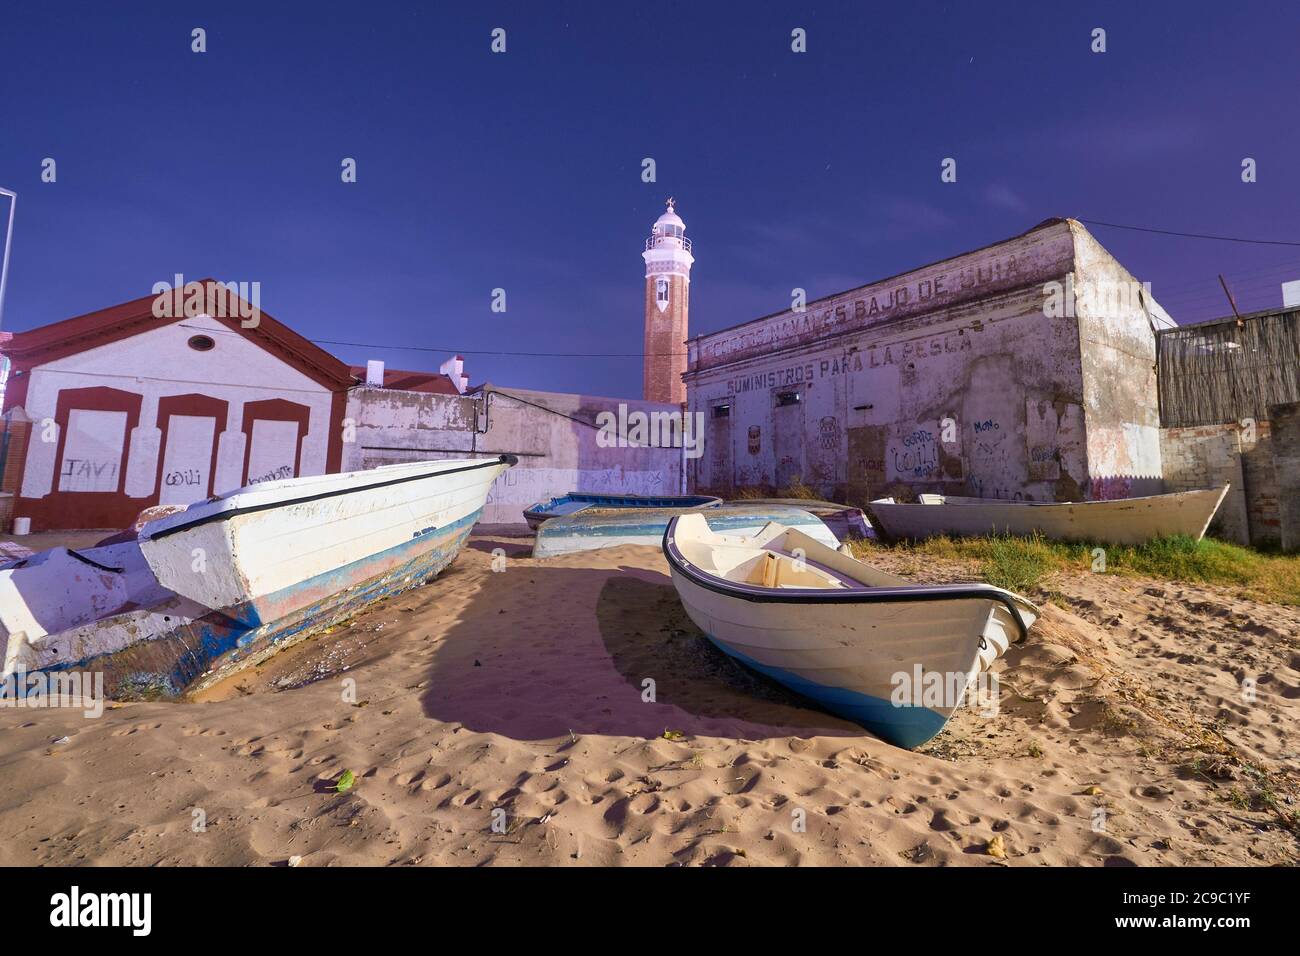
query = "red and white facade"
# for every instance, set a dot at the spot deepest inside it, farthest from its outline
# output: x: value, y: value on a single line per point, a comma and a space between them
x: 128, y: 411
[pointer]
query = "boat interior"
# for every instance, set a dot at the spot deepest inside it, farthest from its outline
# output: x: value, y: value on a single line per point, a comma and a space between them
x: 776, y: 557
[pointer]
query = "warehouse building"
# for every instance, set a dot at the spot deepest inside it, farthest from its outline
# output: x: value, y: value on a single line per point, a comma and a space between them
x: 1023, y: 370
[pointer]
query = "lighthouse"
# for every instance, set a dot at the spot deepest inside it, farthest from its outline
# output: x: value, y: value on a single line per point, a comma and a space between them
x: 668, y: 262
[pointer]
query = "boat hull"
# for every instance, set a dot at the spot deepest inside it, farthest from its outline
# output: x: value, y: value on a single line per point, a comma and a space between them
x: 860, y: 654
x: 227, y: 585
x: 575, y: 502
x: 1119, y: 521
x: 611, y: 529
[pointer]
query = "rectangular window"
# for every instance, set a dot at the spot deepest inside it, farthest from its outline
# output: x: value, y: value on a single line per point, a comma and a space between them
x: 787, y: 398
x: 721, y: 411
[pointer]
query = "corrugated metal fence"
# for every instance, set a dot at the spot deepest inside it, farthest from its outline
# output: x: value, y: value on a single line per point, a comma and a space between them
x: 1221, y: 372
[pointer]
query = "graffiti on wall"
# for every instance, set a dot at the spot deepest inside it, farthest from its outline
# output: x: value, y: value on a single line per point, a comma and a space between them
x: 927, y: 289
x: 875, y: 356
x: 914, y: 456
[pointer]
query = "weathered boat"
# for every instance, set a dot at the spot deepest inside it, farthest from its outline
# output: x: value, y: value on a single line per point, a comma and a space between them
x: 843, y: 520
x: 239, y: 575
x: 1116, y: 521
x: 577, y: 501
x: 874, y: 648
x: 601, y: 528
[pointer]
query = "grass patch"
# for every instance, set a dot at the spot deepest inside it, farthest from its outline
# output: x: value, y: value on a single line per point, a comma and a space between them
x: 797, y: 489
x: 1021, y: 564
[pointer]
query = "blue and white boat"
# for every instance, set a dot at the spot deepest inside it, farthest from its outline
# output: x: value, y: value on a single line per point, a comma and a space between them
x: 229, y: 580
x: 599, y: 528
x: 577, y: 501
x: 874, y: 648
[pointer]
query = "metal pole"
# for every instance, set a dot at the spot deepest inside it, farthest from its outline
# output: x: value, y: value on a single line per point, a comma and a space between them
x: 9, y: 238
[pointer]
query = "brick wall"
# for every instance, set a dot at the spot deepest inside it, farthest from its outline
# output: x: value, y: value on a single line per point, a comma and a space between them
x: 1205, y: 456
x: 1261, y: 487
x: 1285, y: 421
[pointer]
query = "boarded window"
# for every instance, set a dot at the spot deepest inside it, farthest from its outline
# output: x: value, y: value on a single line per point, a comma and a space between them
x: 92, y: 453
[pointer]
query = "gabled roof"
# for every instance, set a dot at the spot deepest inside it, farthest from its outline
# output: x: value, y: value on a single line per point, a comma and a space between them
x: 57, y: 340
x: 435, y: 383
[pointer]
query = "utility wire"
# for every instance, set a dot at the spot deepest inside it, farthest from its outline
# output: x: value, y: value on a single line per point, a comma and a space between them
x: 1191, y: 235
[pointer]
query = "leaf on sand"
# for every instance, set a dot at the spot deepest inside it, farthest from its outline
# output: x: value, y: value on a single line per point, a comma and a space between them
x: 997, y: 847
x: 673, y: 734
x: 346, y: 781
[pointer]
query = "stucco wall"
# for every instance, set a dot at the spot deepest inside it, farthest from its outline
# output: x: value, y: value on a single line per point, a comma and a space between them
x: 1041, y: 404
x: 551, y: 433
x: 879, y: 369
x: 1118, y: 354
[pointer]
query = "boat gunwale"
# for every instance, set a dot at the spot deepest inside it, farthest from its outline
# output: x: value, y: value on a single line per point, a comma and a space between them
x: 227, y: 513
x: 969, y: 502
x: 749, y: 592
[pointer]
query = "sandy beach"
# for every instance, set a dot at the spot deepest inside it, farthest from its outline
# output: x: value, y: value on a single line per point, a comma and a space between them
x: 1123, y: 737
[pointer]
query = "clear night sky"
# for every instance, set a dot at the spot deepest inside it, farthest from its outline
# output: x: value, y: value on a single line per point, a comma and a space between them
x: 523, y: 170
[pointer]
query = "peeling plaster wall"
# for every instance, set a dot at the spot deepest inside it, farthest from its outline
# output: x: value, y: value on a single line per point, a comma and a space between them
x: 1118, y: 351
x: 879, y: 369
x: 1042, y: 406
x: 549, y: 432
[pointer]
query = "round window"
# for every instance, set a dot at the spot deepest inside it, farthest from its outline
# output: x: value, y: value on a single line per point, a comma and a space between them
x: 201, y: 343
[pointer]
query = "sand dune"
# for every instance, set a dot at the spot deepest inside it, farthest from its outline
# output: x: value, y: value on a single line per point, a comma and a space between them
x: 1123, y: 737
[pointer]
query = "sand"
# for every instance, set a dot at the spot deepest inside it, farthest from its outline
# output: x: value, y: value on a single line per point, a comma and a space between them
x: 1123, y: 737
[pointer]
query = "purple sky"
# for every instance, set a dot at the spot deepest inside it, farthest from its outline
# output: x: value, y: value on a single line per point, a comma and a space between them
x: 522, y: 170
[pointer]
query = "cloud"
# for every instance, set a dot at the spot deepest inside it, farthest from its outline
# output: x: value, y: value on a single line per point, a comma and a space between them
x: 1004, y: 197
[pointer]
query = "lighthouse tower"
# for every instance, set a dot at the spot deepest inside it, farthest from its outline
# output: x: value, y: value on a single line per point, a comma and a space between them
x: 668, y: 262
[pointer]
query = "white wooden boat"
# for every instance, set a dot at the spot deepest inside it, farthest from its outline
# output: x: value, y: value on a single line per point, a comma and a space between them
x: 227, y: 578
x: 598, y: 528
x: 1113, y: 521
x: 869, y: 646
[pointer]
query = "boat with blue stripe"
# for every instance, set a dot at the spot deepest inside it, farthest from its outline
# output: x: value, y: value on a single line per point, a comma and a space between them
x: 576, y: 501
x: 611, y: 528
x: 894, y: 656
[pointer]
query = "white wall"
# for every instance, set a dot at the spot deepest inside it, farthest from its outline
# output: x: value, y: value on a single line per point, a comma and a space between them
x: 160, y: 363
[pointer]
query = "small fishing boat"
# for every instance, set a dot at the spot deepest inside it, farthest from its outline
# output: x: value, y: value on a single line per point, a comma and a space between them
x: 576, y: 501
x: 843, y: 520
x: 874, y: 648
x: 1117, y: 521
x: 228, y: 580
x: 610, y: 528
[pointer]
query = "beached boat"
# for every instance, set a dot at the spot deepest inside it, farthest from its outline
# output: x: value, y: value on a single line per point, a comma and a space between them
x: 611, y: 528
x: 238, y: 575
x: 843, y: 520
x: 1113, y: 521
x: 891, y: 655
x: 577, y: 501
